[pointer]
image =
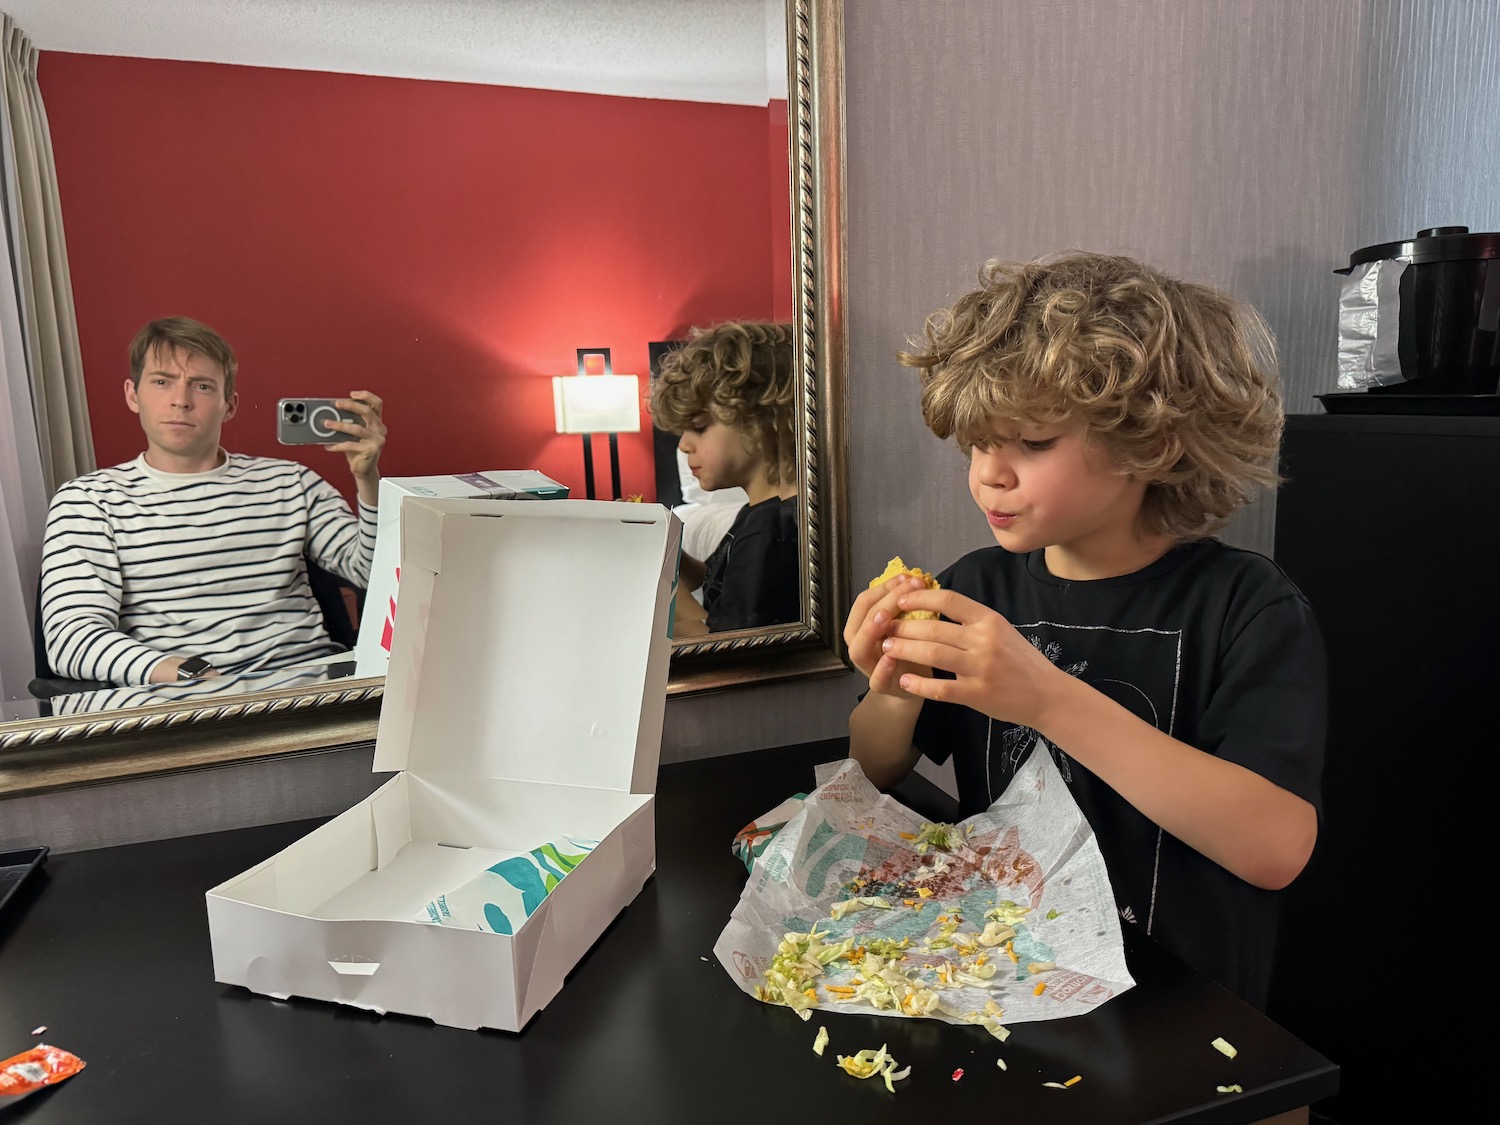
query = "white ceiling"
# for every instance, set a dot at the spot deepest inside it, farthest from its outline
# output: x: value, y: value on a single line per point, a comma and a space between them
x: 697, y: 50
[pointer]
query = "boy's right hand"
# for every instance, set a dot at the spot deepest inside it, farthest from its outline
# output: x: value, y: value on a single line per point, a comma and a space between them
x: 865, y: 632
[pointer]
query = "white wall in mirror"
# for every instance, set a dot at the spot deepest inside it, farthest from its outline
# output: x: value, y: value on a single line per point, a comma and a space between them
x: 730, y: 51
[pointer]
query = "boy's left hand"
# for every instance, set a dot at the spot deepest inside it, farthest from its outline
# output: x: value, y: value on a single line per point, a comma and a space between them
x: 368, y: 435
x: 996, y: 670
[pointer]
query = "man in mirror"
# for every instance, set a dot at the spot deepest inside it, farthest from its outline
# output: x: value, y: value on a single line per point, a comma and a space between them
x: 191, y: 560
x: 730, y: 392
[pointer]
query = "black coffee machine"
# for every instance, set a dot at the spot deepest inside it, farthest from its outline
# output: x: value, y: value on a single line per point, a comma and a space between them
x: 1447, y: 308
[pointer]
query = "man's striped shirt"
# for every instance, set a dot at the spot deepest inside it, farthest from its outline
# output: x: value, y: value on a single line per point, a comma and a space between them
x: 139, y: 565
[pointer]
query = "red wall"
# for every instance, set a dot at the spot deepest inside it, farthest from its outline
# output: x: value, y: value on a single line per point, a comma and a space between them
x: 445, y: 245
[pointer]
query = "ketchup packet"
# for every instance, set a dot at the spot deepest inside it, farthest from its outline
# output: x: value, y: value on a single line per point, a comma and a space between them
x: 29, y: 1071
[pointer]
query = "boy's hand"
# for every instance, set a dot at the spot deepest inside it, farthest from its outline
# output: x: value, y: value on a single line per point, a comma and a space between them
x: 870, y: 623
x: 996, y: 671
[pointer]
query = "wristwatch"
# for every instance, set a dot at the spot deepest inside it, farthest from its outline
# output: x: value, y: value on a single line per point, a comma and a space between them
x: 194, y: 668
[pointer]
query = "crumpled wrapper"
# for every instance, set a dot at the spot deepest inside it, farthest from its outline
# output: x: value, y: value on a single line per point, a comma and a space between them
x: 1031, y: 848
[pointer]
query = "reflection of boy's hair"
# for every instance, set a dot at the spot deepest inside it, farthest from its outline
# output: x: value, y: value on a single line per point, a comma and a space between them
x: 1176, y: 380
x: 171, y: 333
x: 741, y: 373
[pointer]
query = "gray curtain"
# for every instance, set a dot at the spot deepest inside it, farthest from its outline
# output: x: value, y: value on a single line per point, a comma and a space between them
x: 39, y: 268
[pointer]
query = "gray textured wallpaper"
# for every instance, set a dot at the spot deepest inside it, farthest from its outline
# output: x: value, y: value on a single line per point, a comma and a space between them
x: 1251, y: 144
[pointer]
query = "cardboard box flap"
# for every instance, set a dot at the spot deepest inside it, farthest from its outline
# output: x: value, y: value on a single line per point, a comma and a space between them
x: 532, y: 641
x: 372, y: 649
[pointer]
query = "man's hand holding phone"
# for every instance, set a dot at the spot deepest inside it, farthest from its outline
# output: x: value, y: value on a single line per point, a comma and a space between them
x: 351, y: 426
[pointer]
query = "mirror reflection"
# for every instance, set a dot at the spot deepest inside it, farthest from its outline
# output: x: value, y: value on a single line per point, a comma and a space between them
x: 730, y: 392
x: 187, y: 561
x: 446, y: 246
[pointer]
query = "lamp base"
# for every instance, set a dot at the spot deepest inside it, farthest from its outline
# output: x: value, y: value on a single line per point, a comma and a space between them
x: 588, y: 466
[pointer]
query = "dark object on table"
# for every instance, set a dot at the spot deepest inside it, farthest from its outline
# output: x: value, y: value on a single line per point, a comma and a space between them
x: 16, y: 868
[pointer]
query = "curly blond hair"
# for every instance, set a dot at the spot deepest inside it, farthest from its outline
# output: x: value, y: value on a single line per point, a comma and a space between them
x: 741, y: 373
x: 1177, y: 381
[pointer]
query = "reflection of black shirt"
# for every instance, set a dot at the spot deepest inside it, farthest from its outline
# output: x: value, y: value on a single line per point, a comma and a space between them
x: 1210, y: 644
x: 752, y: 577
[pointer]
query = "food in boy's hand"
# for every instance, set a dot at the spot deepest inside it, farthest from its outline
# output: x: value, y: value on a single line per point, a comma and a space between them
x: 895, y: 567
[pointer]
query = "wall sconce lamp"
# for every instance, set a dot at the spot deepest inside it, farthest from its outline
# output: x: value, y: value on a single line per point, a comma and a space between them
x: 597, y: 401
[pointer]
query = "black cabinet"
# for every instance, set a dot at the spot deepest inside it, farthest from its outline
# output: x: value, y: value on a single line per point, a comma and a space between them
x: 1391, y: 526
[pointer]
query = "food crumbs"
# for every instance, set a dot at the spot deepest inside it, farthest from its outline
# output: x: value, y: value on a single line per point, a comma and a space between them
x: 1055, y: 1085
x: 1077, y: 1078
x: 1235, y: 1089
x: 1041, y: 986
x: 821, y: 1041
x: 1224, y: 1047
x: 39, y: 1030
x: 1000, y: 1063
x: 957, y: 1074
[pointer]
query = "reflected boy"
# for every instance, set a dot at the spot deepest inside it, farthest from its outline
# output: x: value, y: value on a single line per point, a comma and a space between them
x: 729, y: 391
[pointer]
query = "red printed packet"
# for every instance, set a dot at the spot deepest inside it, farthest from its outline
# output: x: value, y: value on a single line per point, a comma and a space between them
x: 29, y: 1071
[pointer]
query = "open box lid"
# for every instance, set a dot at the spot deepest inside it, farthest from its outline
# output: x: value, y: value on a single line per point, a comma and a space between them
x: 532, y: 641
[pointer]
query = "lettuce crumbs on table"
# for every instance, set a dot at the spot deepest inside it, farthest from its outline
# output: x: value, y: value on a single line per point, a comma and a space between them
x: 869, y: 1062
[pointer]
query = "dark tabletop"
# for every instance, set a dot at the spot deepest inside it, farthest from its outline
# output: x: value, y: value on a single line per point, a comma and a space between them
x: 110, y: 950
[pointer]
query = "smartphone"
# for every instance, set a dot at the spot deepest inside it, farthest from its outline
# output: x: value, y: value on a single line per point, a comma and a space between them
x: 304, y: 421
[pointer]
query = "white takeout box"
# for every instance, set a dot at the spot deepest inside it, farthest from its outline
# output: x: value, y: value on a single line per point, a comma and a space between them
x: 524, y: 700
x: 372, y: 647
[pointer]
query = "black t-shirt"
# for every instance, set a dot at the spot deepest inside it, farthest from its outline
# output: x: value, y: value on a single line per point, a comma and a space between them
x: 1211, y: 644
x: 753, y: 577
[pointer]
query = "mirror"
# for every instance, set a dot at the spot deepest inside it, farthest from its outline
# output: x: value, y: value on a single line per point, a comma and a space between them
x: 108, y: 735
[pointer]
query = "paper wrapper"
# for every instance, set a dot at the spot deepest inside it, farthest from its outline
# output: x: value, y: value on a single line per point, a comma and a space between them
x: 1032, y: 848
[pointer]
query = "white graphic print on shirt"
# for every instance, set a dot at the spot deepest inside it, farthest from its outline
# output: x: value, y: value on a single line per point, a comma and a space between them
x: 1140, y: 669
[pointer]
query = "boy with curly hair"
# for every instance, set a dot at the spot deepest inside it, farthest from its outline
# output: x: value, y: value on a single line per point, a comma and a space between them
x: 1113, y: 418
x: 729, y: 392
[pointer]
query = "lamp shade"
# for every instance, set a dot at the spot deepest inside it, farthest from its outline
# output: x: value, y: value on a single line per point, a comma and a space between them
x: 597, y: 404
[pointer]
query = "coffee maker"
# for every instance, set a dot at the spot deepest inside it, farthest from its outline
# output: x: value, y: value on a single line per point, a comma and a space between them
x: 1419, y: 326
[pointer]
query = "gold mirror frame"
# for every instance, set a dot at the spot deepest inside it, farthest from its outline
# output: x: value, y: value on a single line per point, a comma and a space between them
x: 41, y: 755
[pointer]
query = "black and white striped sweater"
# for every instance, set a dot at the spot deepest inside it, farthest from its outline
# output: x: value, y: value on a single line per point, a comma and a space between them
x: 139, y: 565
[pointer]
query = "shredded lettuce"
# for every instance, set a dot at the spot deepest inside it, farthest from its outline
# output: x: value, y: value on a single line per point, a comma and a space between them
x: 943, y: 837
x: 870, y: 1062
